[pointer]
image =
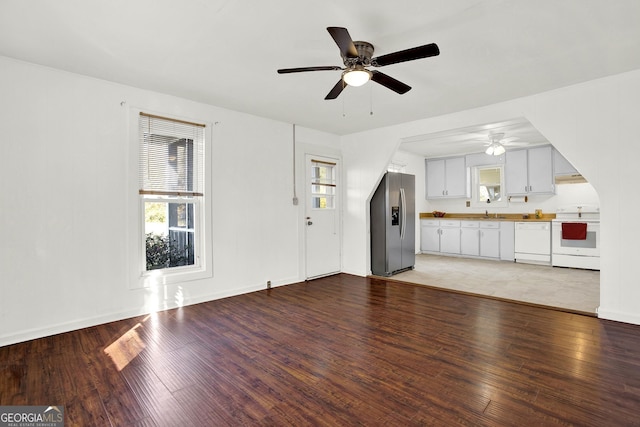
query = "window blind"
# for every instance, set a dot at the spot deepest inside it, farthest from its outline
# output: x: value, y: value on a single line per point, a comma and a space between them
x: 171, y: 156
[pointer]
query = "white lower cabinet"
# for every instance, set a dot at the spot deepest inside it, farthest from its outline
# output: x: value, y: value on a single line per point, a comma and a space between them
x: 440, y: 236
x: 490, y: 239
x: 450, y: 237
x: 470, y: 238
x: 430, y: 235
x: 485, y: 239
x: 507, y: 241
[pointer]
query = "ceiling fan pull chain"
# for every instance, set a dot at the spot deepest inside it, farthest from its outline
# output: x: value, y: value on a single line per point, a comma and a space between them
x: 371, y: 100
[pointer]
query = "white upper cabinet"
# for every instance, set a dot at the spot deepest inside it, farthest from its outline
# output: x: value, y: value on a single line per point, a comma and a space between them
x: 529, y: 171
x: 446, y: 178
x: 541, y: 170
x: 561, y: 166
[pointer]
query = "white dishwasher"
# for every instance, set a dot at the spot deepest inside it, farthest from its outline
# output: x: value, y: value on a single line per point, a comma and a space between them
x: 532, y: 243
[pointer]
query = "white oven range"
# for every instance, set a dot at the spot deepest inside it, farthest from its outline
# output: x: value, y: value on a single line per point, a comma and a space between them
x: 583, y: 252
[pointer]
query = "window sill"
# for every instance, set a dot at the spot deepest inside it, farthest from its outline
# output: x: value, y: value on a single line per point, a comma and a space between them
x: 162, y: 277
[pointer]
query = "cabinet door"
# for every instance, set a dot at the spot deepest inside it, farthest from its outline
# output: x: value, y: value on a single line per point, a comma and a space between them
x: 469, y: 241
x: 562, y: 166
x: 450, y: 240
x: 490, y: 242
x: 430, y: 239
x: 515, y: 172
x: 435, y: 178
x: 507, y: 241
x: 540, y: 166
x: 455, y: 177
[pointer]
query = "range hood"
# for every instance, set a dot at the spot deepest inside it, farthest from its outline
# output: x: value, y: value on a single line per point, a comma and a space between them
x: 570, y: 179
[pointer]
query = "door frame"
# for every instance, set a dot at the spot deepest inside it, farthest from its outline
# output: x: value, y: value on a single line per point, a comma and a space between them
x: 305, y: 159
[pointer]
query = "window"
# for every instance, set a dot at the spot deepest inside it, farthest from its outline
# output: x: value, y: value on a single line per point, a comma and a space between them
x: 171, y: 190
x: 488, y: 186
x: 323, y: 185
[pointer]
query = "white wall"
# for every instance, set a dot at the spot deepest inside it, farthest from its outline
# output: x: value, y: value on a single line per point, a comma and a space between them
x: 64, y: 210
x: 64, y: 168
x: 581, y: 121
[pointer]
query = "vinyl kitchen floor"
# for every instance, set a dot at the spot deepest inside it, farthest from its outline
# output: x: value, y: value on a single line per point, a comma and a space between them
x: 563, y: 288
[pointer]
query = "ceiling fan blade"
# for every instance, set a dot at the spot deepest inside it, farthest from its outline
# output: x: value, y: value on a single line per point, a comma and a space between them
x: 303, y: 69
x: 337, y: 90
x: 406, y: 55
x: 389, y: 82
x: 343, y: 40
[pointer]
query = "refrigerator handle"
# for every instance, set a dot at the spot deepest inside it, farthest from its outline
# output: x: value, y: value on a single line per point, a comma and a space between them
x: 403, y: 204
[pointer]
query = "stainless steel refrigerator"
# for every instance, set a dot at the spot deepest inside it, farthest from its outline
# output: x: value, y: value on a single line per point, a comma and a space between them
x: 393, y: 224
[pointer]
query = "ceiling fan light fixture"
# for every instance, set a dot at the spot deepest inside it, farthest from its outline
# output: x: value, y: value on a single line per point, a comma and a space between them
x: 495, y: 149
x: 356, y: 76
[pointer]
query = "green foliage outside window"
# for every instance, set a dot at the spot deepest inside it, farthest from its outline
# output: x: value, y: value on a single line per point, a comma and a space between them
x: 155, y: 212
x: 164, y: 253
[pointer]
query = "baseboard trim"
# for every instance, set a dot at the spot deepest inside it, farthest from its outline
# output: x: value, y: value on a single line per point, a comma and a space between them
x: 632, y: 318
x: 60, y: 328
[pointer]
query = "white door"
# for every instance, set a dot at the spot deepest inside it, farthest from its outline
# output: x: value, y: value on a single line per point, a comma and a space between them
x: 323, y: 218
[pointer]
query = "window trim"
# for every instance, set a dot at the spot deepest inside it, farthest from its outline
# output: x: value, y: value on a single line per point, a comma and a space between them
x: 140, y: 277
x: 475, y: 181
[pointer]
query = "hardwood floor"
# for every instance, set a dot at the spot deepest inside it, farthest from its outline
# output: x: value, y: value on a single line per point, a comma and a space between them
x: 337, y: 351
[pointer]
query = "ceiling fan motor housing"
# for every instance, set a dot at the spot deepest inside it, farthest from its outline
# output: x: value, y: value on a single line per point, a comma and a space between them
x: 365, y: 52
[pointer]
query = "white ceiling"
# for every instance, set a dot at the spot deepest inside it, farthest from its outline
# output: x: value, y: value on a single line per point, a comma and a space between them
x: 226, y: 52
x: 512, y: 133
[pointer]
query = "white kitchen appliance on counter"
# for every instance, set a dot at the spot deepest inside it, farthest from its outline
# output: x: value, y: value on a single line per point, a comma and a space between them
x: 575, y: 237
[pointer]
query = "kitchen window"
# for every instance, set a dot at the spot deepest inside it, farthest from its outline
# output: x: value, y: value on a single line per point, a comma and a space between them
x: 488, y: 186
x: 172, y: 198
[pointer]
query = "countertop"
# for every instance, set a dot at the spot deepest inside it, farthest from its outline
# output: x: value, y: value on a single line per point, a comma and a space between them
x: 500, y: 217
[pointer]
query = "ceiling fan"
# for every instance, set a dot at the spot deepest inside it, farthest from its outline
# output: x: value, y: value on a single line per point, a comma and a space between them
x: 497, y: 142
x: 357, y: 56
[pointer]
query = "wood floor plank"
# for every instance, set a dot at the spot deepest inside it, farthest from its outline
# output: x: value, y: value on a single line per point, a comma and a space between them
x: 341, y: 350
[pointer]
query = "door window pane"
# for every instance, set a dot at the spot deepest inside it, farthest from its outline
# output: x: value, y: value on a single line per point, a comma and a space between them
x: 323, y: 185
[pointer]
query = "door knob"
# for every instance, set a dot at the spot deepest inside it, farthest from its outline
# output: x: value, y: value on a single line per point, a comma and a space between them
x: 309, y: 222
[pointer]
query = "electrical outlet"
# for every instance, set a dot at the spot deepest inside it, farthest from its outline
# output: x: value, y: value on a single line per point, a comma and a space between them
x: 268, y: 284
x: 468, y: 203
